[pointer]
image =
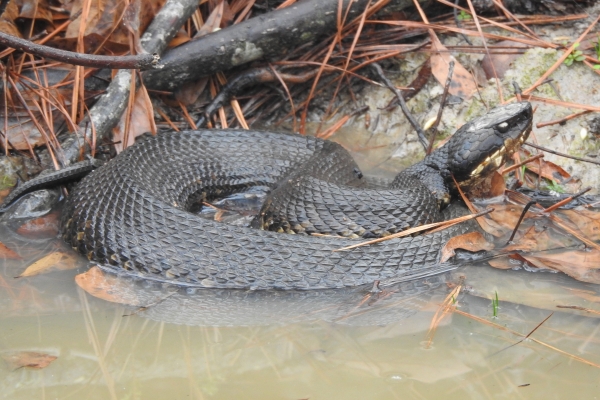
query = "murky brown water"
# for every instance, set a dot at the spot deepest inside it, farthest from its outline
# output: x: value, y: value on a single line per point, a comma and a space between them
x: 360, y: 350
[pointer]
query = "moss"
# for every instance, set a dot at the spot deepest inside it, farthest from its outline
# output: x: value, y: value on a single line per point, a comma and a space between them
x: 7, y: 181
x: 529, y: 68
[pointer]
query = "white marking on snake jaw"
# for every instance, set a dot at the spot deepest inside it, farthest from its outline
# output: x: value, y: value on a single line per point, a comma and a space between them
x: 480, y: 167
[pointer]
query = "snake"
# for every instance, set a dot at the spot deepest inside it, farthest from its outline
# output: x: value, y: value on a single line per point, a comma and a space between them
x: 134, y: 214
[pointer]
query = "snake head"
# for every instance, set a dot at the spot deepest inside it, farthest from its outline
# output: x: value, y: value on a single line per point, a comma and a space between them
x: 485, y: 143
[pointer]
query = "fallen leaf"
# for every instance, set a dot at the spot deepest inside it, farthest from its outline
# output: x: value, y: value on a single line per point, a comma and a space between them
x: 583, y: 265
x: 36, y: 10
x: 549, y: 170
x: 105, y: 18
x: 501, y: 62
x: 29, y: 359
x: 213, y: 21
x: 587, y: 221
x: 7, y: 20
x: 107, y: 287
x: 57, y: 261
x: 507, y: 215
x: 188, y: 94
x: 491, y: 186
x: 141, y: 121
x: 463, y: 84
x: 43, y: 226
x: 23, y: 134
x: 503, y: 263
x: 5, y: 253
x: 472, y: 241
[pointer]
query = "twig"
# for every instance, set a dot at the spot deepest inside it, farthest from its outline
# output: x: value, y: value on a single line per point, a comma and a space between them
x: 525, y: 209
x: 547, y: 150
x: 141, y: 61
x: 487, y: 51
x: 580, y: 359
x: 562, y: 120
x: 433, y: 128
x: 567, y: 104
x: 525, y: 337
x: 567, y: 200
x: 419, y: 229
x: 403, y: 106
x: 580, y: 309
x: 527, y: 161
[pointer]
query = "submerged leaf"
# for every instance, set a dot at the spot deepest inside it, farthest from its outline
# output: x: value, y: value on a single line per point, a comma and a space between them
x: 472, y: 241
x: 5, y: 253
x: 42, y: 226
x: 29, y: 359
x: 56, y: 261
x: 107, y: 287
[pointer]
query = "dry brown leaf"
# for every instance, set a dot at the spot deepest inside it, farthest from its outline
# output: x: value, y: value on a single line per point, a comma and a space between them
x: 463, y: 84
x: 7, y: 20
x: 107, y: 287
x: 29, y: 359
x: 23, y: 135
x: 501, y: 62
x: 507, y: 215
x: 549, y: 170
x: 141, y: 120
x: 492, y: 186
x: 43, y: 226
x: 7, y: 253
x: 579, y: 264
x: 535, y: 240
x: 472, y: 241
x: 57, y: 261
x: 38, y: 10
x: 587, y: 222
x: 188, y: 94
x: 105, y: 19
x: 212, y: 22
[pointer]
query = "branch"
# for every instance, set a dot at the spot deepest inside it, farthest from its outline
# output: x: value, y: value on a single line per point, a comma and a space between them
x: 271, y: 35
x: 141, y: 61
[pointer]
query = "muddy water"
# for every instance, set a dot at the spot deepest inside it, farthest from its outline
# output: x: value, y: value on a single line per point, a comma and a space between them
x: 345, y: 345
x: 348, y: 344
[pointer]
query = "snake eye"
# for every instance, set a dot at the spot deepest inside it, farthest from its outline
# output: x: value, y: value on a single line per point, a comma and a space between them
x: 502, y: 127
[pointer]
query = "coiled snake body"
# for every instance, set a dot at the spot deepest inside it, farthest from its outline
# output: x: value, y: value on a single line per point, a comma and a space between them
x: 131, y: 214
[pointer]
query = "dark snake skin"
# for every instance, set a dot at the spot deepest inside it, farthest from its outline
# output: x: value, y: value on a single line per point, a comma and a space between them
x: 130, y: 214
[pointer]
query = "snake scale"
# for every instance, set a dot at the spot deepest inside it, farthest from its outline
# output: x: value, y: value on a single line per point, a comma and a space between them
x: 132, y: 214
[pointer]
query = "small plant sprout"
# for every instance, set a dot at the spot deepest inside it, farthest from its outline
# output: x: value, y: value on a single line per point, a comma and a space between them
x: 576, y: 55
x: 463, y: 16
x: 555, y: 187
x: 495, y: 305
